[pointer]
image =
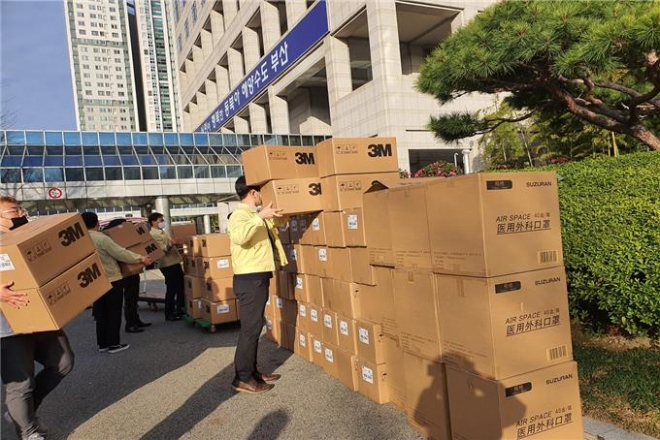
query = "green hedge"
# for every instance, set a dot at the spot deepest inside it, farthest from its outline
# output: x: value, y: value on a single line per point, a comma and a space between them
x: 610, y: 213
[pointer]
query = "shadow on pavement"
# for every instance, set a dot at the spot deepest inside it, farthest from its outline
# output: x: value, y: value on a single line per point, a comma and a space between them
x: 270, y: 426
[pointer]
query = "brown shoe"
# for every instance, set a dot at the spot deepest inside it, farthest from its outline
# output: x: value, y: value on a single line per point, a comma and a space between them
x: 251, y: 387
x: 269, y: 378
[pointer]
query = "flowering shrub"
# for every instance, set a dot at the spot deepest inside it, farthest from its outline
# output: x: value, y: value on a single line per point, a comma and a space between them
x: 439, y: 168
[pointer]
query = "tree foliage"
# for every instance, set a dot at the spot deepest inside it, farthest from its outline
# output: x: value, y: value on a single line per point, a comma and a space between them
x: 594, y: 60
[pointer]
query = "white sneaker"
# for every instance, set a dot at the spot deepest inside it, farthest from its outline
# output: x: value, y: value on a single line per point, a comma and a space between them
x: 117, y: 348
x: 35, y: 436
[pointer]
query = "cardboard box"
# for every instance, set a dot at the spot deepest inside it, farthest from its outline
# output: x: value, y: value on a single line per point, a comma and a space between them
x: 345, y: 299
x: 219, y: 289
x: 330, y: 334
x: 55, y: 303
x: 302, y: 320
x: 143, y: 231
x: 370, y: 342
x: 416, y: 303
x: 396, y: 373
x: 305, y: 285
x: 219, y: 312
x: 194, y: 287
x: 288, y: 336
x: 356, y: 155
x: 318, y: 352
x: 341, y: 267
x: 269, y: 162
x: 149, y: 248
x: 352, y: 223
x: 286, y: 310
x: 215, y: 245
x: 377, y: 302
x: 322, y: 265
x: 542, y: 404
x: 427, y: 403
x: 182, y: 232
x: 407, y: 206
x: 329, y: 361
x: 189, y: 266
x: 315, y: 323
x: 345, y: 191
x: 347, y: 334
x: 334, y: 233
x: 303, y: 348
x: 269, y: 310
x: 377, y: 222
x: 512, y: 226
x: 195, y: 245
x: 217, y: 267
x: 293, y: 196
x: 273, y: 329
x: 124, y: 234
x: 294, y: 230
x: 372, y: 381
x: 43, y: 249
x: 285, y: 284
x: 315, y: 231
x: 362, y: 271
x: 283, y: 233
x: 505, y: 326
x: 194, y: 307
x: 347, y: 369
x: 319, y: 296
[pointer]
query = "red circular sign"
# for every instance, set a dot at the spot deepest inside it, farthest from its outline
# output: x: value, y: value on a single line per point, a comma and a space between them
x: 55, y: 193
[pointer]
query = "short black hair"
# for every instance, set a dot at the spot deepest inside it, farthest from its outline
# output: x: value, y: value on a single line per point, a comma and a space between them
x: 114, y: 222
x: 154, y: 216
x: 90, y: 219
x: 242, y: 188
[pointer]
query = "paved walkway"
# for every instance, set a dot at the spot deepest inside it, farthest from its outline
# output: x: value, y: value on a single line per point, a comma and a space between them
x: 174, y: 382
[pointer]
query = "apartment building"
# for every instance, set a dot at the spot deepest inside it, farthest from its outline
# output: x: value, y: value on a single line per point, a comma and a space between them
x: 122, y: 65
x: 336, y: 67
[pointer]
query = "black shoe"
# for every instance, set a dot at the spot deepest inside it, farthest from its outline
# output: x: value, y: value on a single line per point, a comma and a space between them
x: 143, y: 324
x: 118, y: 348
x: 134, y: 329
x: 174, y: 318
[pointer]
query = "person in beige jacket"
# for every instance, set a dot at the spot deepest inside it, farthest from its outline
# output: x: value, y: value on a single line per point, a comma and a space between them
x: 107, y: 309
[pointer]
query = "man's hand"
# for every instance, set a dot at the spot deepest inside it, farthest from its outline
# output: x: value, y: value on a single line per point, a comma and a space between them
x: 269, y: 212
x: 16, y: 299
x: 5, y: 224
x: 147, y: 261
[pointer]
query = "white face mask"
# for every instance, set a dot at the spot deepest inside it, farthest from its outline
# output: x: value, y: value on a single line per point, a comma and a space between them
x: 163, y: 225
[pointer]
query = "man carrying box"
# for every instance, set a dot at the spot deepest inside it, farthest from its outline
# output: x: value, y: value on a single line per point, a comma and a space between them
x: 25, y: 391
x: 107, y: 309
x: 170, y: 267
x: 255, y: 248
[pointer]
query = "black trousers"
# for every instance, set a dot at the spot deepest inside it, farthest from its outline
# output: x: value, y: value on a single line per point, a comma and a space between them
x: 107, y: 312
x: 174, y: 294
x: 131, y: 296
x: 253, y: 295
x: 25, y: 391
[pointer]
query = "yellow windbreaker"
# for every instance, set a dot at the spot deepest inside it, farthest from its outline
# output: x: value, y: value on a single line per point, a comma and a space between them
x: 251, y: 250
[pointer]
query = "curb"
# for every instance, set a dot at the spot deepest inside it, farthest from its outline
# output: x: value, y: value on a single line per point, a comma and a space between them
x: 597, y: 430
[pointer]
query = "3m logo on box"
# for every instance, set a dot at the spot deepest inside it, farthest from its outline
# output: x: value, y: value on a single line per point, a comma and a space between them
x: 292, y: 188
x: 379, y: 150
x: 71, y: 234
x: 315, y: 189
x: 305, y: 158
x: 89, y: 275
x: 151, y: 248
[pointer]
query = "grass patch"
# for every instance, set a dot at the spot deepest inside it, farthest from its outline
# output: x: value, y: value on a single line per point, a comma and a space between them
x: 620, y: 381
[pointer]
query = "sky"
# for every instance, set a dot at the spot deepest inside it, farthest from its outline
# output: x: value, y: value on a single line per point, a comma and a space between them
x: 34, y: 65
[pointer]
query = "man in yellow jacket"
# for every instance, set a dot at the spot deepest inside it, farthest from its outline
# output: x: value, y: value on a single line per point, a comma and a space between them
x: 255, y: 251
x: 107, y: 309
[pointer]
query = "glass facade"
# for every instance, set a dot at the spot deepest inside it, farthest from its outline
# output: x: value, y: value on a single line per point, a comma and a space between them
x: 55, y: 156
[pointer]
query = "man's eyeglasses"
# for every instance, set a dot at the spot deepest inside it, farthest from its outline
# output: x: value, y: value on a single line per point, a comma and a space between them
x: 14, y: 212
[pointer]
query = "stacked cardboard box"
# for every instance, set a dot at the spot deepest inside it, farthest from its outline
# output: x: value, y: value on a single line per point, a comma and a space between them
x: 441, y: 296
x: 54, y: 261
x: 208, y: 279
x: 136, y: 238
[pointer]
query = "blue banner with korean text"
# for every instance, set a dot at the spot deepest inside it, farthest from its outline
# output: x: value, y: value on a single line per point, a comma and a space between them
x: 296, y: 43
